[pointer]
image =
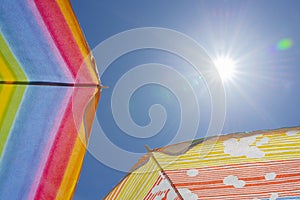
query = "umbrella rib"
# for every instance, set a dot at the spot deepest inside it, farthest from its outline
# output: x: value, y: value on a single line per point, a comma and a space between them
x: 163, y: 172
x: 45, y: 83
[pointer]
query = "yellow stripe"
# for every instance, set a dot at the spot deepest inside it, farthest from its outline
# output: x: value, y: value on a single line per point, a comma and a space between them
x: 10, y: 68
x: 73, y: 169
x: 71, y: 175
x: 5, y: 72
x: 279, y: 147
x: 72, y: 22
x: 144, y: 181
x: 137, y: 184
x: 11, y: 96
x: 5, y: 95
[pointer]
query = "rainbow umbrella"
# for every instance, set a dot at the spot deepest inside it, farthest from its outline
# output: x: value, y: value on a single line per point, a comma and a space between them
x: 256, y: 165
x: 49, y: 90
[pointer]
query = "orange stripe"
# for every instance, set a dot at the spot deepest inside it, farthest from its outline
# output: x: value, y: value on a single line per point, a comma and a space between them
x: 241, y: 178
x: 287, y: 177
x: 119, y: 187
x: 267, y: 188
x: 248, y: 185
x: 79, y: 38
x: 283, y: 193
x: 156, y: 183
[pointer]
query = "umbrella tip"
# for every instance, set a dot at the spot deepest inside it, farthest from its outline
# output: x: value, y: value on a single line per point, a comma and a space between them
x: 102, y: 87
x: 148, y: 148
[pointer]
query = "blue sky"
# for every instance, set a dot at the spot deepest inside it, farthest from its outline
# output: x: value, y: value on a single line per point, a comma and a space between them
x: 263, y: 94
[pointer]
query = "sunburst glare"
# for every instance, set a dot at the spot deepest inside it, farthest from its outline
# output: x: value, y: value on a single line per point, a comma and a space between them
x: 226, y: 67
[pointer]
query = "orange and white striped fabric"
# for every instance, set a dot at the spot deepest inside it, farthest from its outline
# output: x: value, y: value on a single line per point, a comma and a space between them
x: 257, y: 165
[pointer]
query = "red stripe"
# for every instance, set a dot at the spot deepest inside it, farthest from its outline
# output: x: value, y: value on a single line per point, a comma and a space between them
x: 58, y: 158
x: 63, y: 145
x: 63, y: 38
x: 157, y: 182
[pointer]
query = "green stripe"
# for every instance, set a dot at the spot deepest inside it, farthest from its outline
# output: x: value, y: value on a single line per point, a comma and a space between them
x: 10, y: 114
x: 11, y: 61
x: 15, y: 98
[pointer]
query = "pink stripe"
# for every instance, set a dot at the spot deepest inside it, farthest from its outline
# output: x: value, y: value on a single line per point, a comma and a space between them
x: 49, y: 144
x: 64, y: 40
x: 61, y: 150
x: 63, y: 66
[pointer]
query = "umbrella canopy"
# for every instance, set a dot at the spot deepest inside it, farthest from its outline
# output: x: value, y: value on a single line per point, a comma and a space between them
x: 49, y: 90
x: 257, y: 165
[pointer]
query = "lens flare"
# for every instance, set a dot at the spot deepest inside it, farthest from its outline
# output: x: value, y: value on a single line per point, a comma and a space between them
x: 284, y: 44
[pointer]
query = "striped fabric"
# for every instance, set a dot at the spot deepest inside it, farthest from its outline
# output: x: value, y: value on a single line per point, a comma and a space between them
x: 49, y: 91
x: 257, y: 165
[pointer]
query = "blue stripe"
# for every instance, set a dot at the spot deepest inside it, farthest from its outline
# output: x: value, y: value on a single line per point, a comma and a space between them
x: 28, y: 137
x: 27, y: 41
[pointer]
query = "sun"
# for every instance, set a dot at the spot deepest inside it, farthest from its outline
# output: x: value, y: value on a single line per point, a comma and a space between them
x: 226, y: 67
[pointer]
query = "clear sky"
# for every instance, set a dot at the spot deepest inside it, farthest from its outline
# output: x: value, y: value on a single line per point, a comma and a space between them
x: 259, y: 39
